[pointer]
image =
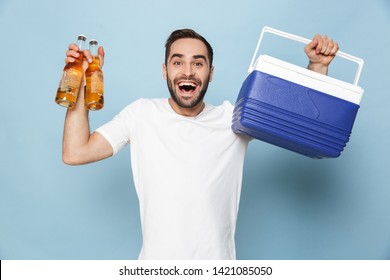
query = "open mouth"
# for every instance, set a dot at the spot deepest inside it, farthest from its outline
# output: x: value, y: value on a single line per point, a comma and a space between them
x: 187, y: 87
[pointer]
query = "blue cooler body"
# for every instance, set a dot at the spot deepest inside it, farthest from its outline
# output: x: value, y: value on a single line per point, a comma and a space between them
x: 296, y: 109
x: 293, y: 116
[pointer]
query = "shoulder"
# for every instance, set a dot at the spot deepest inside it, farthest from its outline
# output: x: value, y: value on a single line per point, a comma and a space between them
x: 225, y: 108
x: 141, y: 102
x: 219, y: 114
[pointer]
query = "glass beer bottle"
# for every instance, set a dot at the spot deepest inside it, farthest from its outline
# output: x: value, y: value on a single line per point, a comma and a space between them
x: 93, y: 99
x: 71, y: 78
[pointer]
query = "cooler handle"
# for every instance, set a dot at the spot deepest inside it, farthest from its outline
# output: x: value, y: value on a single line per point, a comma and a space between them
x: 286, y: 35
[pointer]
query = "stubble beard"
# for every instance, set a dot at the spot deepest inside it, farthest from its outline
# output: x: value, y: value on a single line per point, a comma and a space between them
x: 186, y: 102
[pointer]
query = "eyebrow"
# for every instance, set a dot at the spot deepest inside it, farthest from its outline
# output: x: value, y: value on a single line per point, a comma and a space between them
x: 179, y: 55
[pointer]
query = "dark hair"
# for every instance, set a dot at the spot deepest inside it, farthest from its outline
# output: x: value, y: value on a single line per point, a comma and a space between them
x: 186, y: 33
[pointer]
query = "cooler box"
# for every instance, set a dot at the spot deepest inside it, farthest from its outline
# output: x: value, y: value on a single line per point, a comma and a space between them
x: 296, y: 108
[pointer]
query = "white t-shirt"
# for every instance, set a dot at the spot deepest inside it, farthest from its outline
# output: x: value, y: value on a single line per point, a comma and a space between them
x: 187, y: 173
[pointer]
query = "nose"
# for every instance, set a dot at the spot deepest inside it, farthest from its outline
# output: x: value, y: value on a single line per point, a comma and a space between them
x: 189, y: 70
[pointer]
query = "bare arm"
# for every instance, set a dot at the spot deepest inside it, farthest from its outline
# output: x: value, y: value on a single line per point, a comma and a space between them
x: 79, y: 146
x: 321, y: 51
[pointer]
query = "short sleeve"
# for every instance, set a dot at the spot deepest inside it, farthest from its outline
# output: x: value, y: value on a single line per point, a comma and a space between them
x: 118, y: 131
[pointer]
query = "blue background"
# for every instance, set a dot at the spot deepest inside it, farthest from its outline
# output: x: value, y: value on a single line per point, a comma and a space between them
x: 292, y: 207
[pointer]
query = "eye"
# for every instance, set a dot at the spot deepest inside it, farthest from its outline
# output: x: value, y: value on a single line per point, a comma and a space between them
x: 198, y: 64
x: 177, y: 63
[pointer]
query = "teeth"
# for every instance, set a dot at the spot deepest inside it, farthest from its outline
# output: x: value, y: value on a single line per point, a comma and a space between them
x: 187, y: 84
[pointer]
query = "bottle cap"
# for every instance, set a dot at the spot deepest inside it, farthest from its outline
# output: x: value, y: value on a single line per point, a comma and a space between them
x: 93, y: 42
x: 82, y: 37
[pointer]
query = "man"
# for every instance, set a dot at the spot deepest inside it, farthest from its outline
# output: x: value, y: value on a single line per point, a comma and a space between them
x: 187, y: 163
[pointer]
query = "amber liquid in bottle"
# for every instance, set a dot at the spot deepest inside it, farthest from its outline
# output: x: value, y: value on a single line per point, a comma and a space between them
x: 71, y: 79
x: 93, y: 99
x: 70, y: 83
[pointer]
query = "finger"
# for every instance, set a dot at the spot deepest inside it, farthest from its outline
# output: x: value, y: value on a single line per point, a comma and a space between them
x: 101, y: 51
x: 329, y: 47
x: 335, y: 49
x: 325, y: 43
x: 101, y: 55
x: 71, y: 55
x: 69, y: 59
x: 73, y: 46
x: 88, y: 56
x: 320, y: 43
x: 312, y: 45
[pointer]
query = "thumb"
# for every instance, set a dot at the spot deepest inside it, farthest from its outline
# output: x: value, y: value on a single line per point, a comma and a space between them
x: 311, y: 46
x: 101, y: 51
x: 101, y: 55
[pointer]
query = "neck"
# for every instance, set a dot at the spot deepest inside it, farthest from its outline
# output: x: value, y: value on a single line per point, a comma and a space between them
x: 187, y: 112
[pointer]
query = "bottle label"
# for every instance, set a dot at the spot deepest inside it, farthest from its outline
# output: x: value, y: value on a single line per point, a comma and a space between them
x: 97, y: 85
x: 70, y: 81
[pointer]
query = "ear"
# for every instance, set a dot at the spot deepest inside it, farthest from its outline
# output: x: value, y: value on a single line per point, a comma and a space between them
x: 211, y: 73
x: 164, y: 70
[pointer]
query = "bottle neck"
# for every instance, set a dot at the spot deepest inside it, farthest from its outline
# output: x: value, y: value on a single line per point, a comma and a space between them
x: 93, y: 49
x: 80, y: 45
x: 81, y: 42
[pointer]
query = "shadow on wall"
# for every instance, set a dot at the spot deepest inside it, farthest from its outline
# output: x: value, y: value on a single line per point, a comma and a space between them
x: 296, y: 179
x: 288, y: 204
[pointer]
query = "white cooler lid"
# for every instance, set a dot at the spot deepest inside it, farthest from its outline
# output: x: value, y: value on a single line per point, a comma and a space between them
x: 302, y: 76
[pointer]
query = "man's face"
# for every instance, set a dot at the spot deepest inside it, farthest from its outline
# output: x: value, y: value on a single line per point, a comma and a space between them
x: 188, y: 72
